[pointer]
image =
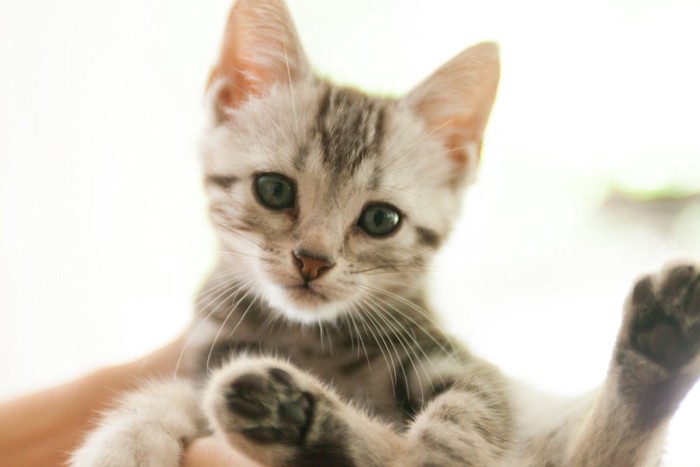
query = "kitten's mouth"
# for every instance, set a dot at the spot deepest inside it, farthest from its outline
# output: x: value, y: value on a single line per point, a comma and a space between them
x: 306, y: 303
x: 305, y: 294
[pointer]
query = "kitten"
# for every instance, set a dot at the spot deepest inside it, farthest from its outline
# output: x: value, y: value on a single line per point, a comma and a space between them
x: 314, y: 344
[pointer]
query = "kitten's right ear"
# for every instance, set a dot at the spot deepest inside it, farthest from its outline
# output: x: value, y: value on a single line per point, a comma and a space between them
x: 260, y: 48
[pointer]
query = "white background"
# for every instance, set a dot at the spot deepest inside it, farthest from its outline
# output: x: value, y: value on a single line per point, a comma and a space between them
x: 103, y: 235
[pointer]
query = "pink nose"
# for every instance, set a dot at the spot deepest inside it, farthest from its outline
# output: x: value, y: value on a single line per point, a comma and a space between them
x: 310, y: 266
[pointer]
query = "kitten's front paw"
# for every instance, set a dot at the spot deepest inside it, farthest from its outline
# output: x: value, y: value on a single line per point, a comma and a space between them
x: 146, y: 428
x: 263, y: 401
x: 115, y: 447
x: 269, y: 407
x: 665, y: 317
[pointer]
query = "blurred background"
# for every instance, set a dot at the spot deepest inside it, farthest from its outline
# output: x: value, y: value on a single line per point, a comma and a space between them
x: 590, y: 176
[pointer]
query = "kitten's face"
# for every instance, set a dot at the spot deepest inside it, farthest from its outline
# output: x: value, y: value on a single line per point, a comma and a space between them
x: 326, y: 200
x: 359, y: 190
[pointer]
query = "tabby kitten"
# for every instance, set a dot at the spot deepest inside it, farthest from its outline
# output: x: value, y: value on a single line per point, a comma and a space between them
x: 314, y: 343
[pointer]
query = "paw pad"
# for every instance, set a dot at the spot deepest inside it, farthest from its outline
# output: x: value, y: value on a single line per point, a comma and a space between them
x: 269, y: 407
x: 665, y: 325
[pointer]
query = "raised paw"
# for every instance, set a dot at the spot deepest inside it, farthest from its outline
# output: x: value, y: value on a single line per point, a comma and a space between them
x: 657, y: 358
x: 665, y: 317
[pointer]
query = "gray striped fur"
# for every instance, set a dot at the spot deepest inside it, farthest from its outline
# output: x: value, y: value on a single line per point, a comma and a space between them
x: 350, y: 128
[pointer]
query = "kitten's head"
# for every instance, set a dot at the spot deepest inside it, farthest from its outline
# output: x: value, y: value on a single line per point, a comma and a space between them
x: 326, y: 199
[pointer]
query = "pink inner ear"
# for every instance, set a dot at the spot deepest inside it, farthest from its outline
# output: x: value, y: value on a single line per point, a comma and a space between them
x: 457, y: 152
x: 455, y: 103
x: 260, y: 48
x: 462, y: 141
x: 238, y: 85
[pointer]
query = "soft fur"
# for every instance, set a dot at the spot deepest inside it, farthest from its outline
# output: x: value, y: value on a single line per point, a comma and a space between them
x: 313, y: 343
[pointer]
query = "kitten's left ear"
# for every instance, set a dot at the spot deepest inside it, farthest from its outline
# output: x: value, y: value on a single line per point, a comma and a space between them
x: 456, y: 100
x: 260, y: 49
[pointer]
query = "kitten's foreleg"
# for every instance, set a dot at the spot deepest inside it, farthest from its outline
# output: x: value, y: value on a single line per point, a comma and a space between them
x: 147, y: 428
x: 468, y: 421
x: 282, y: 416
x: 655, y: 364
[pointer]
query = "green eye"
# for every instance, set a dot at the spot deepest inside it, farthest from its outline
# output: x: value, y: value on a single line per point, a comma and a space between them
x: 379, y: 220
x: 275, y: 191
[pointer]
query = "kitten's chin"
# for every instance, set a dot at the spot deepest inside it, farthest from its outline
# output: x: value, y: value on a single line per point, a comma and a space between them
x: 301, y: 304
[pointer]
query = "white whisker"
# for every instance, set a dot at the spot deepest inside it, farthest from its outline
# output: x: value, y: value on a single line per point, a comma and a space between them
x: 420, y: 141
x: 403, y: 342
x: 390, y: 366
x: 389, y: 315
x: 192, y: 333
x: 371, y: 314
x: 220, y: 287
x: 422, y: 313
x: 228, y: 315
x: 359, y: 336
x: 291, y: 88
x: 400, y: 263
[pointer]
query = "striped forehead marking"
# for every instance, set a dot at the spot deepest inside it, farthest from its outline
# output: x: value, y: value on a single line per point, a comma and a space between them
x: 350, y: 129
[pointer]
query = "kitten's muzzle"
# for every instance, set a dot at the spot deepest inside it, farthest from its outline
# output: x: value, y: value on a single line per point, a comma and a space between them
x: 311, y: 266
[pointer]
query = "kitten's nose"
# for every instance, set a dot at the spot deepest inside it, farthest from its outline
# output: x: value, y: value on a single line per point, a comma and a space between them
x: 311, y: 266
